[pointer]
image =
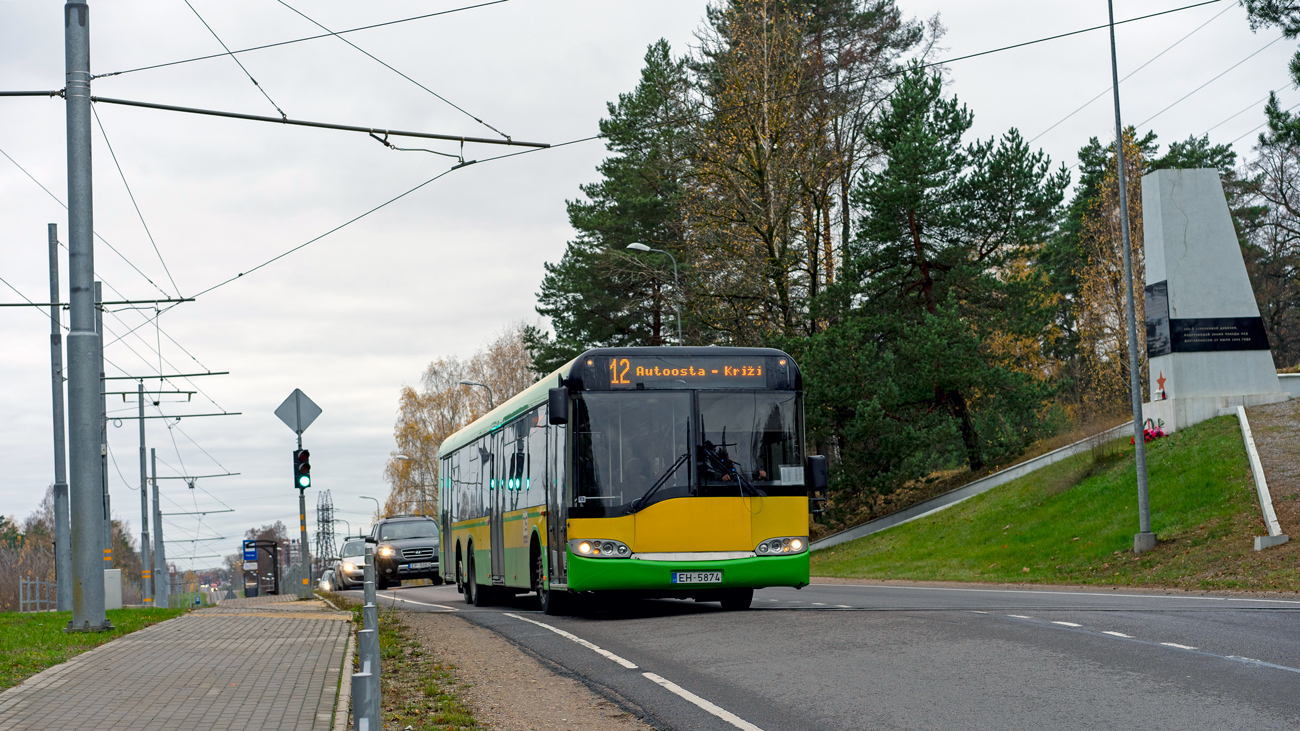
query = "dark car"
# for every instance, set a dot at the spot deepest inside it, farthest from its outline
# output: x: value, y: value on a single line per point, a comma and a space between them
x: 350, y: 568
x: 406, y: 547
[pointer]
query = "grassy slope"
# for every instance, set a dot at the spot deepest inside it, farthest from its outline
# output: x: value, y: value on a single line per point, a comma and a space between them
x: 1073, y: 523
x: 30, y: 643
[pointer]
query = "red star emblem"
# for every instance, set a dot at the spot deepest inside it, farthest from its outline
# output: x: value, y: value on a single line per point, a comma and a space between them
x: 1161, y: 380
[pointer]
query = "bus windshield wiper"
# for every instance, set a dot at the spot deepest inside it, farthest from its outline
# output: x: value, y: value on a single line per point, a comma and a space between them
x: 644, y: 500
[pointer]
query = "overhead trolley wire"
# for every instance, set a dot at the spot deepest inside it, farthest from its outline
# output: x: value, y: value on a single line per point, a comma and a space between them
x: 1211, y: 81
x: 399, y: 73
x: 1130, y: 74
x: 296, y: 40
x: 235, y: 58
x: 131, y: 195
x: 96, y: 233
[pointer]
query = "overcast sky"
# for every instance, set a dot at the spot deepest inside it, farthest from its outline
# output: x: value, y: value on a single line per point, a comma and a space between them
x: 354, y: 317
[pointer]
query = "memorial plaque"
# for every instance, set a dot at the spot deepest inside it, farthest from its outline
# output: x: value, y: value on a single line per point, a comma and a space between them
x: 1157, y: 319
x: 1213, y: 334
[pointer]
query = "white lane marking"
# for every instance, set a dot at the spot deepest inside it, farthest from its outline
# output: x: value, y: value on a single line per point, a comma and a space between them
x: 1116, y: 634
x: 1067, y: 624
x: 423, y: 604
x: 843, y: 606
x: 819, y: 604
x: 1019, y: 616
x: 976, y: 611
x: 1175, y: 644
x: 722, y: 713
x: 567, y: 635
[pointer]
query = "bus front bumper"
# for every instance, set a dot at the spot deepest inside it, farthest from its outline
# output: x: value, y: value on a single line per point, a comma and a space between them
x: 632, y: 574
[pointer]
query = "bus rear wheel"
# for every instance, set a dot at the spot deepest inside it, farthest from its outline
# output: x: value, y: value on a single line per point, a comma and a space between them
x: 482, y: 594
x: 470, y: 584
x: 737, y: 599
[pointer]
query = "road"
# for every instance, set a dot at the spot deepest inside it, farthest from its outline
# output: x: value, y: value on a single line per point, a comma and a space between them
x: 903, y: 657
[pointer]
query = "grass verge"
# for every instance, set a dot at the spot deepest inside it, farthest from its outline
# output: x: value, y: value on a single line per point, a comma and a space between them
x: 420, y: 692
x: 1073, y: 523
x: 34, y: 641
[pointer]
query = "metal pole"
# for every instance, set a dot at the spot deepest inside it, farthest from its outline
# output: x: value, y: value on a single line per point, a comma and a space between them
x: 84, y: 387
x: 677, y: 307
x: 62, y: 540
x: 103, y: 429
x: 146, y: 573
x: 304, y: 590
x: 161, y: 581
x: 1145, y: 540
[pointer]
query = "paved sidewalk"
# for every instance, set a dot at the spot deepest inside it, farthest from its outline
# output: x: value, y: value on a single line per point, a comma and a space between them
x: 266, y: 663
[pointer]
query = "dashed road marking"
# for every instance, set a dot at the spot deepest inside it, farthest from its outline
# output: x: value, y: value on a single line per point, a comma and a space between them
x: 570, y: 636
x: 819, y: 604
x: 1175, y: 644
x: 976, y: 611
x: 1019, y: 616
x: 1116, y: 634
x: 722, y: 713
x: 843, y: 606
x: 1067, y: 624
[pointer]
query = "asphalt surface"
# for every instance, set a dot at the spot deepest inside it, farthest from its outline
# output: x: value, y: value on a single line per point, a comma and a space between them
x: 900, y: 657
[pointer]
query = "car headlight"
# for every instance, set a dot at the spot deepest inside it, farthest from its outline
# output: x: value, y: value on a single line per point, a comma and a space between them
x: 386, y: 551
x: 349, y: 566
x: 782, y: 546
x: 599, y: 548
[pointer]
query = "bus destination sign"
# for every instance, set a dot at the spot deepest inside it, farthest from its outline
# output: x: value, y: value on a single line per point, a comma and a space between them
x: 689, y: 372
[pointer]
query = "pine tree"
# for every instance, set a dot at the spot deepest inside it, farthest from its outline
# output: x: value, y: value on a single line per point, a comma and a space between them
x: 600, y: 294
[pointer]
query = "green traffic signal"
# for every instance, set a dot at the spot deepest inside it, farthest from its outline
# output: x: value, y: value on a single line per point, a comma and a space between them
x: 302, y: 469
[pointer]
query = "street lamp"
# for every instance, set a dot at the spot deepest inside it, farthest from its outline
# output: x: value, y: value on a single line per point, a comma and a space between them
x: 377, y: 508
x: 491, y: 396
x: 676, y: 307
x: 422, y: 484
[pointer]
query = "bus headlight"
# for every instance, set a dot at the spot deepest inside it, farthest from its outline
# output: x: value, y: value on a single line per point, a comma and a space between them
x: 782, y: 546
x: 599, y: 548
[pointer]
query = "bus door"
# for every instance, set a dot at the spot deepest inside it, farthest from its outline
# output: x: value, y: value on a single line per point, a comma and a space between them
x: 556, y: 523
x: 497, y: 501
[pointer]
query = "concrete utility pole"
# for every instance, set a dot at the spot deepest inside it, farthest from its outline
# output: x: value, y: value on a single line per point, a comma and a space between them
x: 146, y: 576
x: 62, y: 537
x: 1145, y: 540
x: 103, y: 428
x: 162, y: 584
x: 84, y: 387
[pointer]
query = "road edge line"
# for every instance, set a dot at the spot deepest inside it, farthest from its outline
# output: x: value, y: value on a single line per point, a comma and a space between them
x: 570, y: 636
x: 713, y: 708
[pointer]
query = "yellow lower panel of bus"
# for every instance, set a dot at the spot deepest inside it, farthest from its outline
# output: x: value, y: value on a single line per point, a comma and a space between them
x: 692, y: 524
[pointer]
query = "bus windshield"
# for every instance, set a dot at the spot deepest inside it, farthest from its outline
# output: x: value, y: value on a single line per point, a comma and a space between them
x: 750, y: 437
x: 630, y: 444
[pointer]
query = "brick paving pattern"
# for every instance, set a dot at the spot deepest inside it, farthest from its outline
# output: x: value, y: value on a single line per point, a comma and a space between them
x: 268, y: 663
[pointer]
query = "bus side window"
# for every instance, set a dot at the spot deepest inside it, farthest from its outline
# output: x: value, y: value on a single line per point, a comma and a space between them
x: 535, y: 475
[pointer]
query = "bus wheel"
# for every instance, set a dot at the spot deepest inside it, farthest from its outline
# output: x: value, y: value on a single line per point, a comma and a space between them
x: 737, y: 599
x: 482, y: 594
x: 548, y: 601
x: 470, y: 584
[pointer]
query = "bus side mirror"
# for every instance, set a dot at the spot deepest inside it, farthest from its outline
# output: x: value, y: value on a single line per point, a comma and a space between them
x: 817, y: 481
x: 558, y: 405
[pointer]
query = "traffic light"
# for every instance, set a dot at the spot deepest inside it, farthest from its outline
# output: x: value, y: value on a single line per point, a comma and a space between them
x: 301, y: 469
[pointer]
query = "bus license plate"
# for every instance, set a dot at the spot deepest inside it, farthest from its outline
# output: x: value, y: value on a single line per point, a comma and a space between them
x: 697, y: 577
x: 418, y: 566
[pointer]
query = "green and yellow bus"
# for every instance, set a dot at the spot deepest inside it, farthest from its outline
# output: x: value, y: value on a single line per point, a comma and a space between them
x: 650, y: 472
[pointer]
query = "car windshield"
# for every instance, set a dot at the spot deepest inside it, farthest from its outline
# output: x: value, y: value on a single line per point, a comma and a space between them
x: 408, y: 529
x: 750, y: 436
x: 353, y: 548
x: 629, y: 446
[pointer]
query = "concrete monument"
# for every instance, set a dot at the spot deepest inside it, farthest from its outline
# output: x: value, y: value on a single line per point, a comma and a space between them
x: 1206, y: 345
